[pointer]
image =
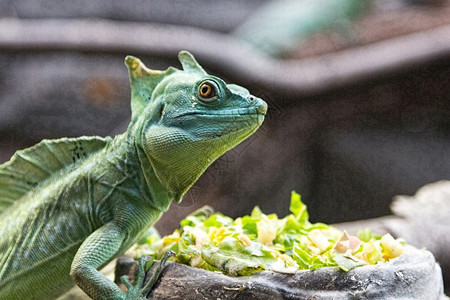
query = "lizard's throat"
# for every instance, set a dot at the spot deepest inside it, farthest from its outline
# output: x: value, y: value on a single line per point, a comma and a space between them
x: 178, y: 158
x: 179, y: 168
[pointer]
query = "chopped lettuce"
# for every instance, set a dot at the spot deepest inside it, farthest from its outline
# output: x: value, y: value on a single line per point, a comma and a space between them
x: 259, y: 242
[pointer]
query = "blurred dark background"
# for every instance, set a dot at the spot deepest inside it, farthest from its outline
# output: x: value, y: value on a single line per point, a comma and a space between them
x: 358, y: 108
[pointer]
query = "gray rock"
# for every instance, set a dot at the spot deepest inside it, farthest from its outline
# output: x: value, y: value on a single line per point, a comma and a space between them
x: 414, y: 275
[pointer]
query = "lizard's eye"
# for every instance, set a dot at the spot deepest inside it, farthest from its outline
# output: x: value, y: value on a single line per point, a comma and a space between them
x: 207, y: 92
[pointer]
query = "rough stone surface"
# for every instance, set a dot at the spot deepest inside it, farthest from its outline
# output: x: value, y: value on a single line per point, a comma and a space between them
x: 424, y: 222
x: 412, y: 276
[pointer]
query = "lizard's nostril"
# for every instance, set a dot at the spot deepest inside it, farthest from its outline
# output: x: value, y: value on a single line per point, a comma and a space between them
x: 262, y: 107
x: 252, y: 98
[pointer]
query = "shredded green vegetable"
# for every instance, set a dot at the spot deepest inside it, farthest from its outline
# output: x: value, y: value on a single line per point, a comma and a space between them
x: 259, y: 242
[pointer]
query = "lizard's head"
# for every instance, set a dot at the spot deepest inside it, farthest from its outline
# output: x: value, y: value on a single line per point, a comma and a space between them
x: 188, y: 118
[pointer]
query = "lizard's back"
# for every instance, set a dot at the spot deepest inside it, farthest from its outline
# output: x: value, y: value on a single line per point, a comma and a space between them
x: 30, y: 244
x: 41, y: 230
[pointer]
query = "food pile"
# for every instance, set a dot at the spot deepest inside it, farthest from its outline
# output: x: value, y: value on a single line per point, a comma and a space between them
x: 259, y: 242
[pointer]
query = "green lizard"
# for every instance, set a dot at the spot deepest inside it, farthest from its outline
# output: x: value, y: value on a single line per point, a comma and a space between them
x: 70, y: 206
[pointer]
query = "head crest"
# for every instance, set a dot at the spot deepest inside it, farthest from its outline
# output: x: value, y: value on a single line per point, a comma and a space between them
x: 144, y: 80
x: 189, y: 63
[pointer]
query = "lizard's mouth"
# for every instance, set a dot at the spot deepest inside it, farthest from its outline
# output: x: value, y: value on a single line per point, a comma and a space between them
x: 230, y: 115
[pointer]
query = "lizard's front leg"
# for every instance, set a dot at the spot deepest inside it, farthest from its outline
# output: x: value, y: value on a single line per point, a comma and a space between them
x: 97, y: 250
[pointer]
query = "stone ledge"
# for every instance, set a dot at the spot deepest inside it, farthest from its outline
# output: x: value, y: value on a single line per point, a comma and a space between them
x: 414, y: 275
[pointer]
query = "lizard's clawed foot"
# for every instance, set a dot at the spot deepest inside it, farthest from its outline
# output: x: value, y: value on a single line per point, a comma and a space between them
x: 136, y: 291
x: 157, y: 272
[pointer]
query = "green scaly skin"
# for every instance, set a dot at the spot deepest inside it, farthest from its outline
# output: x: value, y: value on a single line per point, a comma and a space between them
x: 83, y: 214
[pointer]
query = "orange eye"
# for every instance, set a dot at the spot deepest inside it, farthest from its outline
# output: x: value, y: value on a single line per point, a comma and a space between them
x: 207, y: 90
